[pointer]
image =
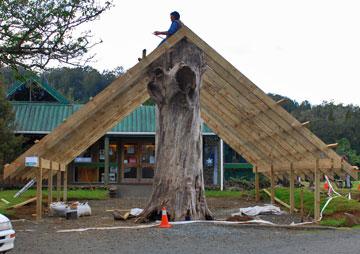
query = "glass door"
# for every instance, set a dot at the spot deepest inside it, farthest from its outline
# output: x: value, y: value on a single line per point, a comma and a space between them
x: 130, y: 162
x: 147, y: 162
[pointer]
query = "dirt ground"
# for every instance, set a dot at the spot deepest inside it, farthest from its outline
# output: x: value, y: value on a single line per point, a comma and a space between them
x: 222, y: 208
x: 43, y: 237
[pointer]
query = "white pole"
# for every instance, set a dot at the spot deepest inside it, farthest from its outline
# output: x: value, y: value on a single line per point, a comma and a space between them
x: 221, y: 165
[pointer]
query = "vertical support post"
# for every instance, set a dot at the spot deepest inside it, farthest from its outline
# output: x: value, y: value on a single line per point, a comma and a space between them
x: 39, y: 177
x: 272, y: 184
x: 50, y: 185
x: 292, y: 189
x: 257, y: 185
x: 65, y: 184
x: 302, y: 204
x: 107, y: 166
x: 58, y: 184
x: 317, y: 192
x: 221, y: 165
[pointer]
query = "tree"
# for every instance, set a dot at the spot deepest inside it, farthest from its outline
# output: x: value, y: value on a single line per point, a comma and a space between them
x: 80, y: 83
x: 10, y: 145
x: 175, y: 88
x: 34, y: 33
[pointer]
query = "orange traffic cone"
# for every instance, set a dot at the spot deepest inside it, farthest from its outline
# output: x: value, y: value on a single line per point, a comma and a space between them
x: 164, y: 219
x: 326, y: 186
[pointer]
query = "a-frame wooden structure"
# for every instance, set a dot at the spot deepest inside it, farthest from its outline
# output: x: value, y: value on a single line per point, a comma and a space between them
x: 231, y: 105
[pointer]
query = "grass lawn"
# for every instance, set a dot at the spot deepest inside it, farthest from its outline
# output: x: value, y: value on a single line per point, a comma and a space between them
x: 332, y: 214
x: 77, y: 194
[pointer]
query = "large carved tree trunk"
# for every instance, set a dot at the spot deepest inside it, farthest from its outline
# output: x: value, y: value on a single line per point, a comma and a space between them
x: 178, y: 182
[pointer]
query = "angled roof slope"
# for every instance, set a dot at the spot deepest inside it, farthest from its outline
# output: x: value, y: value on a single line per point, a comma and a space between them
x: 232, y: 106
x: 44, y: 85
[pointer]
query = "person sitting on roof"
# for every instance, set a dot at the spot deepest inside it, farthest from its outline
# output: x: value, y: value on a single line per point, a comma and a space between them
x: 175, y: 25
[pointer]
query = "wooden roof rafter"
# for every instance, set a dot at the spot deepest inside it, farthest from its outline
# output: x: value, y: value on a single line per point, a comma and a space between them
x: 249, y: 121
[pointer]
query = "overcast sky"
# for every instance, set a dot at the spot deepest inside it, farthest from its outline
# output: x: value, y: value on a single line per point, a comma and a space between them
x: 306, y: 50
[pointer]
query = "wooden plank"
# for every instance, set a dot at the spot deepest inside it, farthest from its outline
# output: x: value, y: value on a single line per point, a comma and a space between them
x: 278, y: 113
x: 272, y: 182
x: 332, y: 146
x: 282, y: 101
x: 292, y: 189
x: 220, y: 128
x: 106, y: 167
x: 234, y: 128
x: 317, y: 192
x: 62, y: 167
x: 58, y: 185
x: 39, y: 193
x: 263, y: 128
x: 279, y: 201
x: 45, y: 163
x: 55, y: 166
x: 28, y: 201
x: 232, y: 116
x: 257, y: 185
x: 65, y: 172
x: 50, y: 186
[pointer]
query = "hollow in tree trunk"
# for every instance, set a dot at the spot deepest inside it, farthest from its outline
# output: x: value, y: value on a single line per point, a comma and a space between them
x: 178, y: 182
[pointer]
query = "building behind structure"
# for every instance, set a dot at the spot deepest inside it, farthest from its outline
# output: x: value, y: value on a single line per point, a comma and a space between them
x: 127, y: 150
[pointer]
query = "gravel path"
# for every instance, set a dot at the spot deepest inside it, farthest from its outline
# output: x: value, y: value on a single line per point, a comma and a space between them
x: 43, y: 237
x: 194, y: 238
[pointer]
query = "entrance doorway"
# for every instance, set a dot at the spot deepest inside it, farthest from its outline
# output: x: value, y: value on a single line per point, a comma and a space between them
x: 138, y: 162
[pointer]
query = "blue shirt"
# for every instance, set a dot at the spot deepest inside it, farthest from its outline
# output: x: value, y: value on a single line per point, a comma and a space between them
x: 175, y: 25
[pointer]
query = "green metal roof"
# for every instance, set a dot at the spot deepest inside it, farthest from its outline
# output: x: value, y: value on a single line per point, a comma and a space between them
x: 32, y: 117
x: 52, y: 91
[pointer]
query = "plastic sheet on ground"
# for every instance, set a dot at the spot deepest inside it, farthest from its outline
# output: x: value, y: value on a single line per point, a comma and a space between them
x: 257, y: 210
x: 136, y: 211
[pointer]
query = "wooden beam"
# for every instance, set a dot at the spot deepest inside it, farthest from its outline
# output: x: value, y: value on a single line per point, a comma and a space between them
x: 65, y: 172
x: 317, y: 192
x: 50, y: 185
x: 334, y: 145
x: 28, y: 201
x: 292, y: 189
x: 279, y: 200
x: 106, y: 166
x: 305, y: 124
x: 232, y: 116
x: 257, y: 185
x: 39, y: 192
x: 249, y: 117
x: 282, y: 101
x: 272, y: 181
x: 58, y: 185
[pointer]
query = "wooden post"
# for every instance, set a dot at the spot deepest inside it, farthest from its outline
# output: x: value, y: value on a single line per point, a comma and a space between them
x: 106, y: 167
x: 302, y: 204
x: 221, y: 165
x: 257, y: 185
x: 65, y: 184
x: 272, y: 184
x: 39, y: 191
x: 58, y: 185
x: 292, y: 189
x: 317, y: 192
x: 50, y: 185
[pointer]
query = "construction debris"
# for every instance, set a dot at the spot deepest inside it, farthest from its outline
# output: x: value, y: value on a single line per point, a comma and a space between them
x: 24, y: 203
x: 132, y: 213
x: 257, y: 210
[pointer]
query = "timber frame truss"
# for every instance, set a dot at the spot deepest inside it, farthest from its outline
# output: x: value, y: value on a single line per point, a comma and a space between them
x: 238, y: 111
